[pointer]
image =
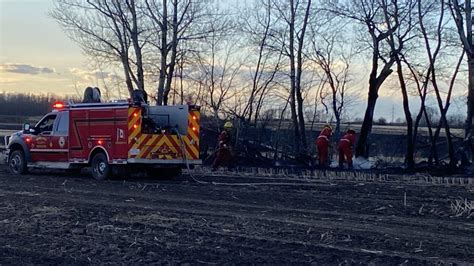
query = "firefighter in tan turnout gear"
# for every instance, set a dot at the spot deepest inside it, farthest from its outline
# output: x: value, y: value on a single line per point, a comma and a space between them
x: 224, y: 155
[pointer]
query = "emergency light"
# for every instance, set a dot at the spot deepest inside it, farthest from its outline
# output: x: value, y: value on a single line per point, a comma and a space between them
x: 58, y: 105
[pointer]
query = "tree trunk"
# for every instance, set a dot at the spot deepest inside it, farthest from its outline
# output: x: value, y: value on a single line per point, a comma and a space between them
x: 294, y: 116
x: 444, y: 110
x: 375, y: 81
x: 174, y: 49
x: 248, y: 111
x: 301, y: 123
x: 422, y: 113
x: 181, y: 85
x: 409, y: 157
x: 422, y: 91
x: 299, y: 72
x: 136, y: 46
x: 470, y: 97
x: 449, y: 141
x: 277, y: 143
x: 126, y: 71
x: 468, y: 136
x: 164, y: 53
x: 366, y: 129
x: 443, y: 121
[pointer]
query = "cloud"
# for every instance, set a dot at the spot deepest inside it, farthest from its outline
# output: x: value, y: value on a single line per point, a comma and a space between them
x: 94, y: 75
x: 25, y: 69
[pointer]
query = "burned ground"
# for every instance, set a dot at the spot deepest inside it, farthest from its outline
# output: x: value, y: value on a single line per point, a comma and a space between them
x: 61, y: 218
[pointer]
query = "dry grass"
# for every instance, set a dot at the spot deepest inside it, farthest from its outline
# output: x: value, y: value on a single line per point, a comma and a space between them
x: 462, y: 207
x: 335, y: 174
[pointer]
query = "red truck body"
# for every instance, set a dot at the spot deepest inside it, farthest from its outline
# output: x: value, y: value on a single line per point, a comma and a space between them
x: 148, y: 136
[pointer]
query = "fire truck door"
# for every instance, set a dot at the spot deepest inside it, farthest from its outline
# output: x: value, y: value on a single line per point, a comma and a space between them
x: 45, y: 144
x: 59, y: 138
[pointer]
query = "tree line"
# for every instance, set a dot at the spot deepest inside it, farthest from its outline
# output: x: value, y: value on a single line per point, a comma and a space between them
x: 299, y: 59
x: 21, y: 104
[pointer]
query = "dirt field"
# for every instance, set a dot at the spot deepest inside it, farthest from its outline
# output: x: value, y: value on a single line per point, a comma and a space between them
x: 71, y: 219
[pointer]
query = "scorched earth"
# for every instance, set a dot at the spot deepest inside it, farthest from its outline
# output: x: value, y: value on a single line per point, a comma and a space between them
x: 60, y: 218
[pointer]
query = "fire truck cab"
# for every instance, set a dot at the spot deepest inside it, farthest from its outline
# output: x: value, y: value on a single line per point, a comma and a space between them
x: 111, y: 138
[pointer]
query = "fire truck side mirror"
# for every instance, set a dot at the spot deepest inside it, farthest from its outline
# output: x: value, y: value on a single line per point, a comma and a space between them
x: 27, y: 128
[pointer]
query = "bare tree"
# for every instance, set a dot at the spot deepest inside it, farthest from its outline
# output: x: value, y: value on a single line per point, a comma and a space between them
x: 369, y: 14
x: 291, y: 35
x: 433, y: 76
x: 421, y: 81
x: 401, y: 13
x: 431, y: 14
x: 257, y: 26
x: 464, y: 28
x: 333, y: 58
x: 107, y: 30
x: 181, y: 21
x: 217, y: 70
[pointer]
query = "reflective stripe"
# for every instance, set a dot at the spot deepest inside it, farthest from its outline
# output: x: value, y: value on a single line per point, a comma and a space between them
x: 346, y: 140
x: 49, y: 150
x: 324, y: 137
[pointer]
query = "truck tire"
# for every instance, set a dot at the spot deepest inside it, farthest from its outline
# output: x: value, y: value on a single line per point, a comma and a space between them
x: 17, y: 162
x: 100, y: 167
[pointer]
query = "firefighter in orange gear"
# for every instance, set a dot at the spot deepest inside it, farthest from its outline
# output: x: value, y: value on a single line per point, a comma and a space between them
x: 322, y: 144
x: 223, y: 153
x: 345, y: 148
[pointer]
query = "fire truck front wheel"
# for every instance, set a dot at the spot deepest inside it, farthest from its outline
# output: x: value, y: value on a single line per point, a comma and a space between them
x: 17, y: 162
x: 100, y: 167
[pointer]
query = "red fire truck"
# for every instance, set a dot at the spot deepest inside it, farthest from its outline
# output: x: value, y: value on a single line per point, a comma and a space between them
x: 110, y: 138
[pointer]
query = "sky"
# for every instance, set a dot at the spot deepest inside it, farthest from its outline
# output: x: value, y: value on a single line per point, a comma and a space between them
x: 36, y: 56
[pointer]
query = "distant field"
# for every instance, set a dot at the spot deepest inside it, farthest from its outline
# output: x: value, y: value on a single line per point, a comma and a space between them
x: 376, y: 129
x: 7, y: 132
x: 18, y: 119
x: 12, y: 123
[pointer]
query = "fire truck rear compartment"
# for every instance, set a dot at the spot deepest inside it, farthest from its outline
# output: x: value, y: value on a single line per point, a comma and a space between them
x: 165, y: 137
x: 165, y: 119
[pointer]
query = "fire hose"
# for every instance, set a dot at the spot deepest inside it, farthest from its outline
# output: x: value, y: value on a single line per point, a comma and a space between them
x: 185, y: 157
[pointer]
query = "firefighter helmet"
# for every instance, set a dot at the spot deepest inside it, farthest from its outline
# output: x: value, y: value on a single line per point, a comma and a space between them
x: 327, y: 126
x: 228, y: 124
x: 351, y: 131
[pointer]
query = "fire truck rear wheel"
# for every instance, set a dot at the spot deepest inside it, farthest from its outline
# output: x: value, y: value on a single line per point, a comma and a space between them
x: 100, y: 167
x: 17, y: 162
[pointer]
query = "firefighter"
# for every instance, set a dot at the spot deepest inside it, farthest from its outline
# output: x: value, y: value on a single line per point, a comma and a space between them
x: 91, y: 95
x: 139, y: 97
x: 322, y: 144
x: 189, y: 99
x: 223, y: 153
x: 345, y: 148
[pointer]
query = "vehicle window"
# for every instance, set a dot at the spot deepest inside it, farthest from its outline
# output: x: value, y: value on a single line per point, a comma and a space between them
x: 46, y: 125
x: 63, y: 124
